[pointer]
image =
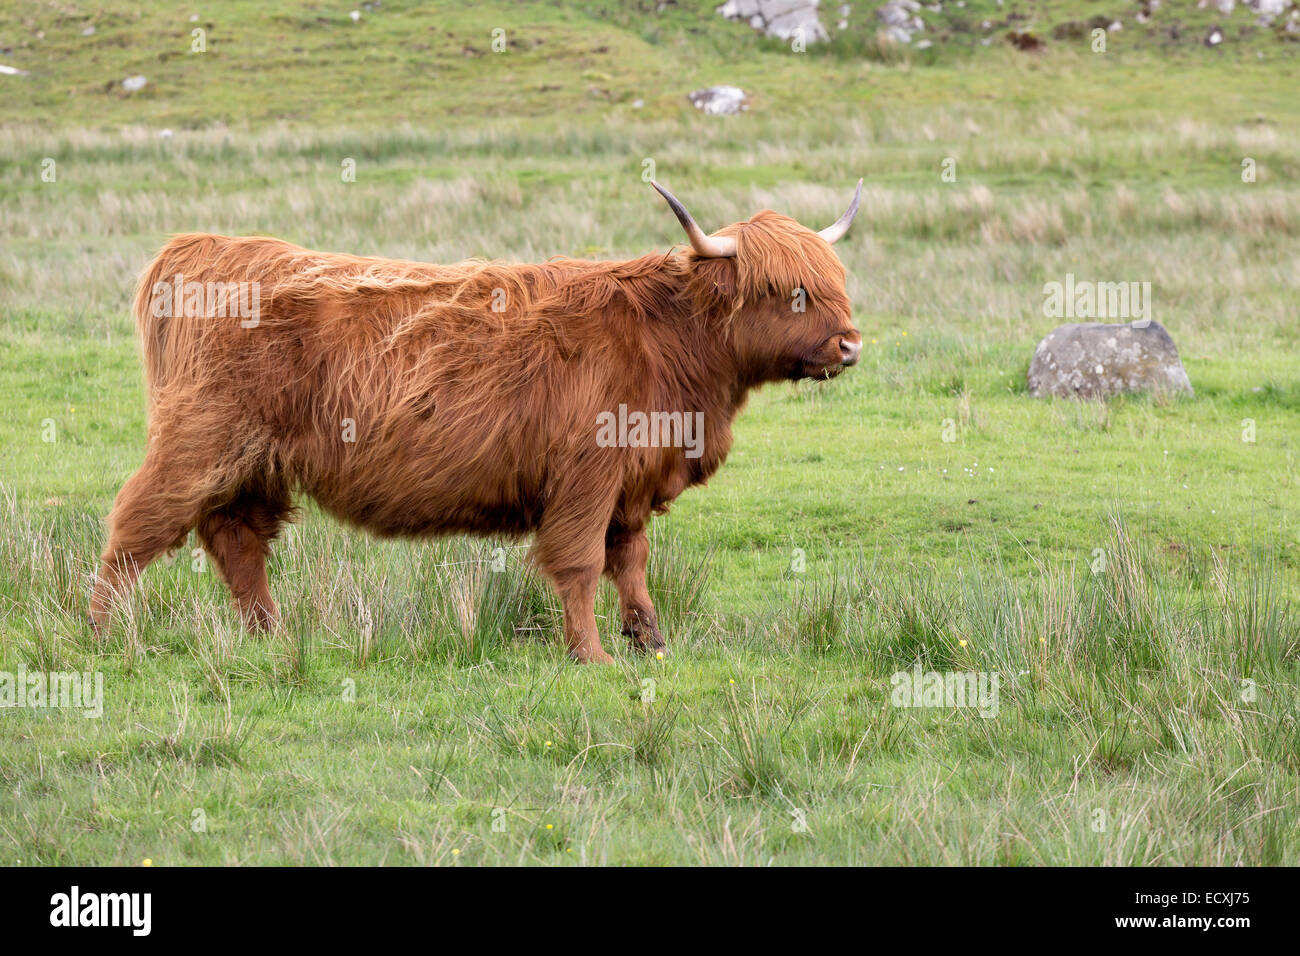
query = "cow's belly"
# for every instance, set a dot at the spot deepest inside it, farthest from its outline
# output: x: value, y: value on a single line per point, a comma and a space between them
x: 411, y: 513
x: 428, y: 495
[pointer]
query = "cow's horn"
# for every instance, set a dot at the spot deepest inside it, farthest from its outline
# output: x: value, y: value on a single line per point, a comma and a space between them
x: 832, y: 233
x: 706, y: 247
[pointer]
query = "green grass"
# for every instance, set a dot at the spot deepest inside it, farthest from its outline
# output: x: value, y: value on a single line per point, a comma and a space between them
x: 414, y: 698
x: 435, y: 65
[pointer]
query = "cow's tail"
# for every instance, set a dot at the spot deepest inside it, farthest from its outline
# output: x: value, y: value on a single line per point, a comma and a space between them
x: 167, y: 341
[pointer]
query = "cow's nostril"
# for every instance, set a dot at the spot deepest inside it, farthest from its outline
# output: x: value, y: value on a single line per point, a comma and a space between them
x: 850, y: 352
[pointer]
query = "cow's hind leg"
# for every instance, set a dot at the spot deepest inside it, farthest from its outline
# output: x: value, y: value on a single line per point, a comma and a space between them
x: 626, y: 553
x: 148, y: 518
x: 238, y: 538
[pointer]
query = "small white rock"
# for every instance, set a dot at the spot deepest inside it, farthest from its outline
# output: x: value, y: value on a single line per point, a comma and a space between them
x: 719, y: 100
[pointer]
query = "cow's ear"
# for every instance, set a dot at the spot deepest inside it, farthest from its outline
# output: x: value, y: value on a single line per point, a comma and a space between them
x: 717, y: 277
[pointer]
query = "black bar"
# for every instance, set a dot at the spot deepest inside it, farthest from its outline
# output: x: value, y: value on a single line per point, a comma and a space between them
x: 330, y: 906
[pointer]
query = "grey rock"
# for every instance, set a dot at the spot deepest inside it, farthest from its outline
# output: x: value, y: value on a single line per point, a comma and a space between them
x: 719, y: 100
x: 1266, y: 11
x: 1097, y: 360
x: 900, y: 20
x: 1268, y: 8
x: 783, y: 19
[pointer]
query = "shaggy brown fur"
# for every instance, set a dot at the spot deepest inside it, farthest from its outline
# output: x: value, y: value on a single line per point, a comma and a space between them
x: 464, y: 419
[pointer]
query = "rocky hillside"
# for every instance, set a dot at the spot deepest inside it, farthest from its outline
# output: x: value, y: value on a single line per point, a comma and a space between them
x: 118, y: 62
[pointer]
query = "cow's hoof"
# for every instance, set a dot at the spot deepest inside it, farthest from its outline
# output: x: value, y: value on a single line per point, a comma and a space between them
x: 597, y: 656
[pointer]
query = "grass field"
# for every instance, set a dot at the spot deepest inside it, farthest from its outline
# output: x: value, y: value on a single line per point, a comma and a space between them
x: 1130, y: 569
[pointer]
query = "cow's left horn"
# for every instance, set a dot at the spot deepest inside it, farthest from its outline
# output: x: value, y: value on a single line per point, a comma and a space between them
x: 706, y: 247
x: 835, y: 232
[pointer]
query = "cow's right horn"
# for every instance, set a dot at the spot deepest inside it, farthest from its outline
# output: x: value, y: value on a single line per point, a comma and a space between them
x: 833, y: 232
x: 706, y: 247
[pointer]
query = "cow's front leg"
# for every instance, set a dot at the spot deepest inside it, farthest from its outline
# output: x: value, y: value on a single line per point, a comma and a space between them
x: 626, y: 553
x: 570, y: 550
x: 577, y: 588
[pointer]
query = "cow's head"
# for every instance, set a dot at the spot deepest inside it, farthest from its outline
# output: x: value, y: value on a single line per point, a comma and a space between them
x: 781, y: 287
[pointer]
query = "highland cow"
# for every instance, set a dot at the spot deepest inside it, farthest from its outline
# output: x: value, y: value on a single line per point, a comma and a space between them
x: 412, y: 399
